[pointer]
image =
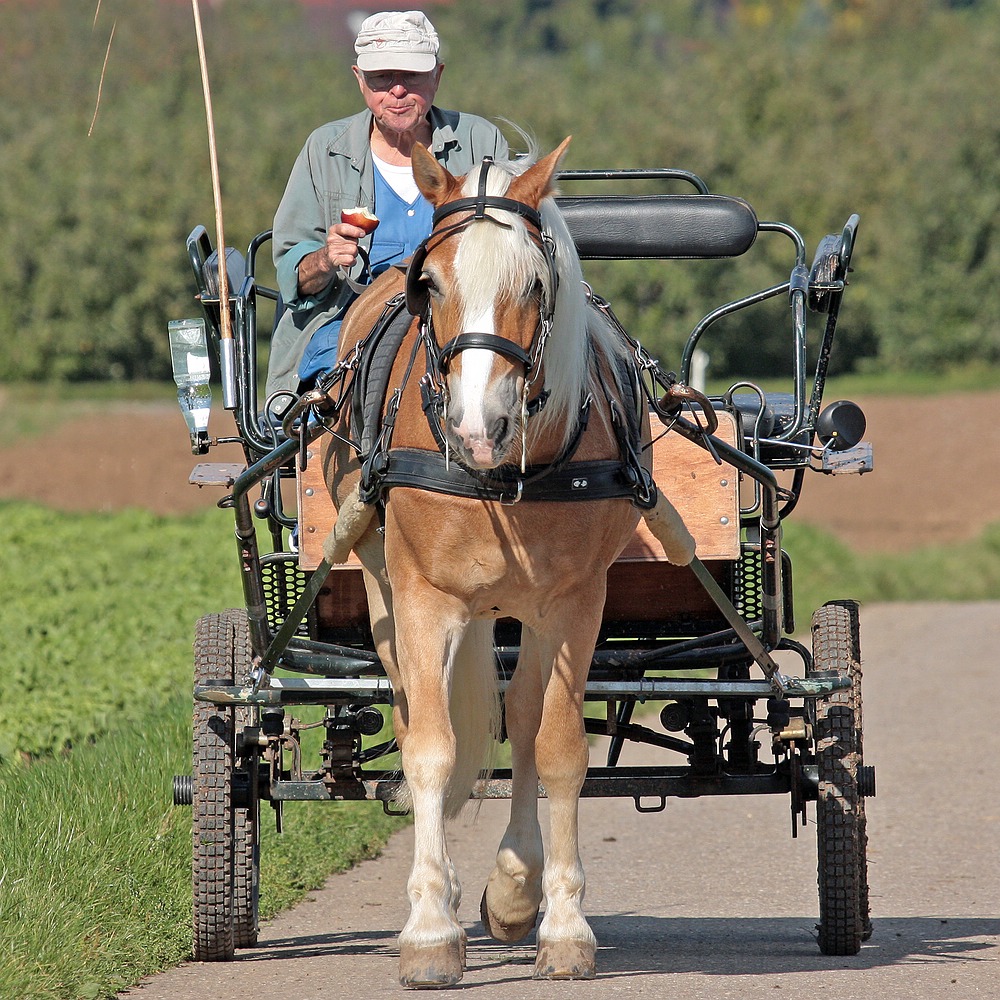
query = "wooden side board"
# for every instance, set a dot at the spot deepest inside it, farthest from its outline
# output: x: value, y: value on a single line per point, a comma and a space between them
x: 641, y: 583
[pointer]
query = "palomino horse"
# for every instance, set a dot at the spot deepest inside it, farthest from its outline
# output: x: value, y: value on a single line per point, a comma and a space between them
x: 522, y: 376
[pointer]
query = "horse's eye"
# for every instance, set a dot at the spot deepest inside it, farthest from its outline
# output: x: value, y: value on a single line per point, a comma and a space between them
x: 427, y: 280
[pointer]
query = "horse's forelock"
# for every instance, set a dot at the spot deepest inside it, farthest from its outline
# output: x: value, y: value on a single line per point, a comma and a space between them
x: 494, y: 260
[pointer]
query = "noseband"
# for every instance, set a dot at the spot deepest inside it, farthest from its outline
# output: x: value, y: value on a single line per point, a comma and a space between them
x: 418, y: 301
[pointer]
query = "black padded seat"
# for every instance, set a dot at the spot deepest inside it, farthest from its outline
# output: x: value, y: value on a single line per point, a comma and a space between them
x: 659, y: 227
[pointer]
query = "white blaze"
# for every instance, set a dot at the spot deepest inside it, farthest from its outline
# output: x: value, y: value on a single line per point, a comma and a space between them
x: 477, y: 363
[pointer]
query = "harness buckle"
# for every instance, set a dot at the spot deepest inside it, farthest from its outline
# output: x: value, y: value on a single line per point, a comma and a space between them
x: 508, y: 501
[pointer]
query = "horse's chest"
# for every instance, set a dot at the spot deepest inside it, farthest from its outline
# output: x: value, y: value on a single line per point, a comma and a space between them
x: 510, y: 577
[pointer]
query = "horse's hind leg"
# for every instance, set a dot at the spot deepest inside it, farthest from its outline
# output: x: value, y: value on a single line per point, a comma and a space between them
x: 514, y: 890
x: 567, y: 948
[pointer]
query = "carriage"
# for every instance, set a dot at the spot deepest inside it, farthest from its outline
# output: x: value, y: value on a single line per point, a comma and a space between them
x: 695, y: 662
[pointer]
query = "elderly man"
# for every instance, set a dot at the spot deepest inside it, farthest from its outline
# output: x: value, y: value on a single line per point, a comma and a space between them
x: 364, y: 161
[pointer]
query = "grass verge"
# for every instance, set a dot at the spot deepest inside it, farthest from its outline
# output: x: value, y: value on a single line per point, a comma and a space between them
x: 825, y: 569
x: 95, y: 861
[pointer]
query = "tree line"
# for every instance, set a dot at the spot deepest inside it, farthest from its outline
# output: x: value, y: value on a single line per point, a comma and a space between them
x: 809, y: 109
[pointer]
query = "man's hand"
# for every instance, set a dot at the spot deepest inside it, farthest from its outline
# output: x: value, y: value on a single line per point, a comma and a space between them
x: 341, y: 251
x: 342, y: 245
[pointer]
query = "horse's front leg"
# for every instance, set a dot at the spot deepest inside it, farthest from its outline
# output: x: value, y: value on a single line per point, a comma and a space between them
x: 432, y: 943
x: 514, y: 889
x: 567, y: 948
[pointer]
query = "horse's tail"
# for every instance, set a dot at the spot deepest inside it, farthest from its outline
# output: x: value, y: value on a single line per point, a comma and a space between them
x: 475, y: 712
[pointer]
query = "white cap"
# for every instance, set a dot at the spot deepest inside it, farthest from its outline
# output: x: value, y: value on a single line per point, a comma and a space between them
x: 403, y: 40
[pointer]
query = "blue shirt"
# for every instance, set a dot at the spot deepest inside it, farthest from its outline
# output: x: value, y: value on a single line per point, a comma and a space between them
x: 402, y: 228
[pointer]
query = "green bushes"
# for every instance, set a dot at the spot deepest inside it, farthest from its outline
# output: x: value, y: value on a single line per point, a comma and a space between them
x: 885, y: 110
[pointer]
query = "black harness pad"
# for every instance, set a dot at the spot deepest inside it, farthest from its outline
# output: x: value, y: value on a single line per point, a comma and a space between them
x: 372, y: 380
x: 430, y: 470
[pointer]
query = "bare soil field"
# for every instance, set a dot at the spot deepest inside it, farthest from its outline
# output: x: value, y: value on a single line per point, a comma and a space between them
x: 936, y: 477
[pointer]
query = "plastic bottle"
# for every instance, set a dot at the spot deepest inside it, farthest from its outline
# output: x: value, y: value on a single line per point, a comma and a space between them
x: 192, y: 371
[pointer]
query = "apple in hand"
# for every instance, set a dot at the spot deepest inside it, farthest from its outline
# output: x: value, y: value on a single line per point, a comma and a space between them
x: 360, y: 217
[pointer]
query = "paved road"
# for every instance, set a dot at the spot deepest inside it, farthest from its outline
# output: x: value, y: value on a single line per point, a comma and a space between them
x: 712, y: 898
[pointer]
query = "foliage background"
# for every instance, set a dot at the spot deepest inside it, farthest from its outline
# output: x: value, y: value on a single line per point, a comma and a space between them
x: 810, y: 109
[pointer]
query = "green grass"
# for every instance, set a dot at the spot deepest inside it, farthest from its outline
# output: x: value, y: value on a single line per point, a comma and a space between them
x: 31, y: 408
x: 824, y: 569
x: 95, y: 861
x: 95, y: 679
x: 98, y: 617
x: 94, y: 864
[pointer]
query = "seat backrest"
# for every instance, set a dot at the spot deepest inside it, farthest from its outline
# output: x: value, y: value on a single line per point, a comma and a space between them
x: 205, y: 264
x: 663, y: 226
x: 236, y: 271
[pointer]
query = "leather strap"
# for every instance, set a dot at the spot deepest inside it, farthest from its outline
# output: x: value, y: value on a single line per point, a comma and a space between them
x: 428, y: 470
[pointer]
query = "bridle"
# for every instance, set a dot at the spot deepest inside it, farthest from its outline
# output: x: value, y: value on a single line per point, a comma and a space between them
x: 560, y: 478
x: 418, y: 300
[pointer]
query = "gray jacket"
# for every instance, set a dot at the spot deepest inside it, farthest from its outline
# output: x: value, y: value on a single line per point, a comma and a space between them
x: 334, y: 171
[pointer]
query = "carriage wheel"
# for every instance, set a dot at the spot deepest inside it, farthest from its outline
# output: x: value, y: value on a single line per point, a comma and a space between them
x: 225, y: 870
x: 844, y: 920
x: 246, y: 854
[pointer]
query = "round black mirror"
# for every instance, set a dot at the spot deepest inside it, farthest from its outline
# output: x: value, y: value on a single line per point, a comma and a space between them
x: 841, y: 425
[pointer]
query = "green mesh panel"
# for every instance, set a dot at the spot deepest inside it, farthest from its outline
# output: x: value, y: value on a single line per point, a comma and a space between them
x: 283, y: 583
x: 748, y: 582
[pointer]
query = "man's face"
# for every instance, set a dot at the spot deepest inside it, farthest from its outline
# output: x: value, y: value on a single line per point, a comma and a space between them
x: 398, y: 99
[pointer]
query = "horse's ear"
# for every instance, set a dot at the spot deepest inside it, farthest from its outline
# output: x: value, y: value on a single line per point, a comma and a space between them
x: 435, y: 183
x: 535, y: 184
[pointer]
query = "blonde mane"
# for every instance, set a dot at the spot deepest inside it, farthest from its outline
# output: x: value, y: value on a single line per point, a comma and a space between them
x: 504, y: 260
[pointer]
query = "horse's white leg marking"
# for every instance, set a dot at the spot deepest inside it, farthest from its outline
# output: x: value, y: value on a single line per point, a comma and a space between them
x: 567, y: 947
x: 514, y: 890
x: 432, y: 943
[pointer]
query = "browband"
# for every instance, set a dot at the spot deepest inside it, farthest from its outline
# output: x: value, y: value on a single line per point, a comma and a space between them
x: 483, y: 201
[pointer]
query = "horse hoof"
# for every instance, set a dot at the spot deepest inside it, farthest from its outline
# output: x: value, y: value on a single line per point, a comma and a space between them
x: 431, y: 968
x: 499, y: 930
x: 566, y: 960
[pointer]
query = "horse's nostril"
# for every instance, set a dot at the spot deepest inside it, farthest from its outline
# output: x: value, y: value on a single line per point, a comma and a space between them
x: 500, y: 429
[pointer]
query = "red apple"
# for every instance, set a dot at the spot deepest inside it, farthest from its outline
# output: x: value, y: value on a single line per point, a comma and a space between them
x: 360, y: 217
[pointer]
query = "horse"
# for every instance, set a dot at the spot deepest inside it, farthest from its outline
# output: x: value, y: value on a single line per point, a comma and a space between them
x: 524, y: 384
